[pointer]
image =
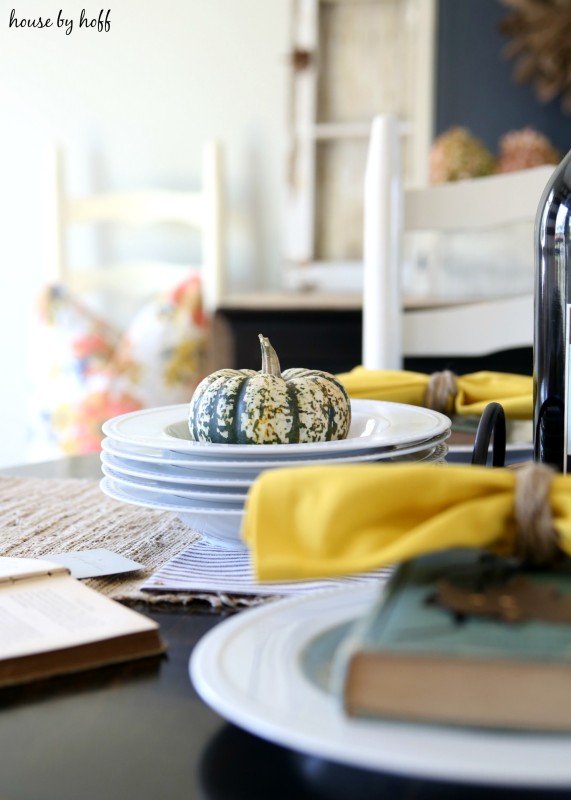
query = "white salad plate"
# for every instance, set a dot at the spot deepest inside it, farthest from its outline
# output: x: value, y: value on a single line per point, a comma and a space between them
x: 251, y: 468
x: 220, y: 524
x: 211, y: 495
x: 152, y: 474
x: 266, y: 670
x: 243, y: 473
x: 375, y: 424
x: 117, y: 447
x: 129, y: 453
x: 160, y: 471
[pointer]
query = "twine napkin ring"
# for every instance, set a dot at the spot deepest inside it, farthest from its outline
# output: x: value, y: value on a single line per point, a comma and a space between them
x: 441, y: 391
x: 537, y: 541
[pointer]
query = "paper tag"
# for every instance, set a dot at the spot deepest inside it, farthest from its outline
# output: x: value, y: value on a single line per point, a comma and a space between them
x: 93, y: 563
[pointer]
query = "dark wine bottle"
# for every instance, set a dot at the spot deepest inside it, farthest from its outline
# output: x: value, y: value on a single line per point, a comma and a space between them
x: 552, y: 334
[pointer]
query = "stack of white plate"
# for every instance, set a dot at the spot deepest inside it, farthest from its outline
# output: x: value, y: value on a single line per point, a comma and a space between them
x: 149, y: 460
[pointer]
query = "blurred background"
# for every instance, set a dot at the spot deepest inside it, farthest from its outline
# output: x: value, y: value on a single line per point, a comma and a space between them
x: 287, y: 86
x: 131, y: 108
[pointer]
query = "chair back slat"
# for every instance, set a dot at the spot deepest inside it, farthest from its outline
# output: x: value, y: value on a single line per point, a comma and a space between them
x: 199, y: 210
x: 471, y: 325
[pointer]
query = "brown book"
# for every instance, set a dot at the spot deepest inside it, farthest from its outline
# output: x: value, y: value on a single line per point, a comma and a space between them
x: 464, y: 638
x: 52, y: 624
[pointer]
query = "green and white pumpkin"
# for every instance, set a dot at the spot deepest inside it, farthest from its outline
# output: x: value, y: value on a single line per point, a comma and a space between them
x: 241, y: 406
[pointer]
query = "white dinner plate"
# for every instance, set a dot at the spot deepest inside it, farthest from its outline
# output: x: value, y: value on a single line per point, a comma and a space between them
x: 219, y: 524
x: 146, y: 455
x: 240, y: 475
x: 251, y: 468
x: 167, y: 472
x: 212, y: 495
x: 142, y: 453
x: 375, y: 424
x: 250, y: 669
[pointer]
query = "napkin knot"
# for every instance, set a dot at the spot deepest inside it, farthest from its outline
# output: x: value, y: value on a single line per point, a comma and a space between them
x: 441, y: 391
x: 537, y: 541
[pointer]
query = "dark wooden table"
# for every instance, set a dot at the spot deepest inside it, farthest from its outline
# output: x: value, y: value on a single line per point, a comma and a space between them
x: 140, y: 732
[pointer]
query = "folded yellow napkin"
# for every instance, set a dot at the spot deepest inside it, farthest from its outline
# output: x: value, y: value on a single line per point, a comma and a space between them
x: 471, y: 394
x: 310, y: 522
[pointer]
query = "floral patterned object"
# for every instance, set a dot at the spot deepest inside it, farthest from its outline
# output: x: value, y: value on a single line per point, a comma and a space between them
x: 84, y: 372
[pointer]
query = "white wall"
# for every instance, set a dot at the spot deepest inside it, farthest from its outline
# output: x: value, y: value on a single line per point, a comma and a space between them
x: 131, y: 107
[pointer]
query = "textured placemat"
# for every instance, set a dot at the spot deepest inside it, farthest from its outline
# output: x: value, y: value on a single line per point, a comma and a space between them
x: 40, y: 516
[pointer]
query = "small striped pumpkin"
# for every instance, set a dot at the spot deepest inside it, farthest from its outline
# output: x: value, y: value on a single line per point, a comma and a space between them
x: 241, y: 406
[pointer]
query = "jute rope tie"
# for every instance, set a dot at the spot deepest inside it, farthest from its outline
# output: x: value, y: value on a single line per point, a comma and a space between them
x: 537, y: 541
x: 441, y: 391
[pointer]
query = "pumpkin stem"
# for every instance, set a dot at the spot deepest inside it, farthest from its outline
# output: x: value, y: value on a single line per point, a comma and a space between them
x: 270, y: 362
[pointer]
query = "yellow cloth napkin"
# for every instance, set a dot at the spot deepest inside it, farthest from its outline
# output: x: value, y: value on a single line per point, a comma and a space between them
x: 475, y: 391
x: 311, y: 522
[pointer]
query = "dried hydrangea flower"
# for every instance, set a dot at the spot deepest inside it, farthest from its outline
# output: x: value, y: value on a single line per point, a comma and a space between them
x: 525, y: 148
x: 457, y: 155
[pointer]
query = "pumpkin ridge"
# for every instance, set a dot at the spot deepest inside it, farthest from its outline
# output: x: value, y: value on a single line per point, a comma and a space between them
x: 212, y: 405
x: 218, y: 418
x: 237, y: 437
x: 333, y: 425
x: 200, y: 392
x: 265, y: 416
x: 293, y: 435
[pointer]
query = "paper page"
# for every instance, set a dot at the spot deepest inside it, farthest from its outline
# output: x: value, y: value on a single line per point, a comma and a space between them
x: 30, y: 567
x: 39, y: 615
x: 94, y: 563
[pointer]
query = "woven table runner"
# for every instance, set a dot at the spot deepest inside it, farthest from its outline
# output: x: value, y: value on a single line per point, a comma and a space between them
x: 41, y: 516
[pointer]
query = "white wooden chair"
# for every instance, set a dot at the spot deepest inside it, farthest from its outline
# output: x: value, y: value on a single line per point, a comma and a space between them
x: 107, y: 338
x: 201, y: 210
x: 430, y: 327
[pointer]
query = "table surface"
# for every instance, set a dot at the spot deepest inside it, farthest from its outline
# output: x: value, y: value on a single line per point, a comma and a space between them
x: 140, y: 731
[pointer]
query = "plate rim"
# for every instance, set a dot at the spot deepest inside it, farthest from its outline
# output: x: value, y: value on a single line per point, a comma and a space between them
x: 163, y: 441
x: 487, y: 769
x: 184, y: 508
x: 213, y: 478
x: 251, y: 465
x: 180, y: 490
